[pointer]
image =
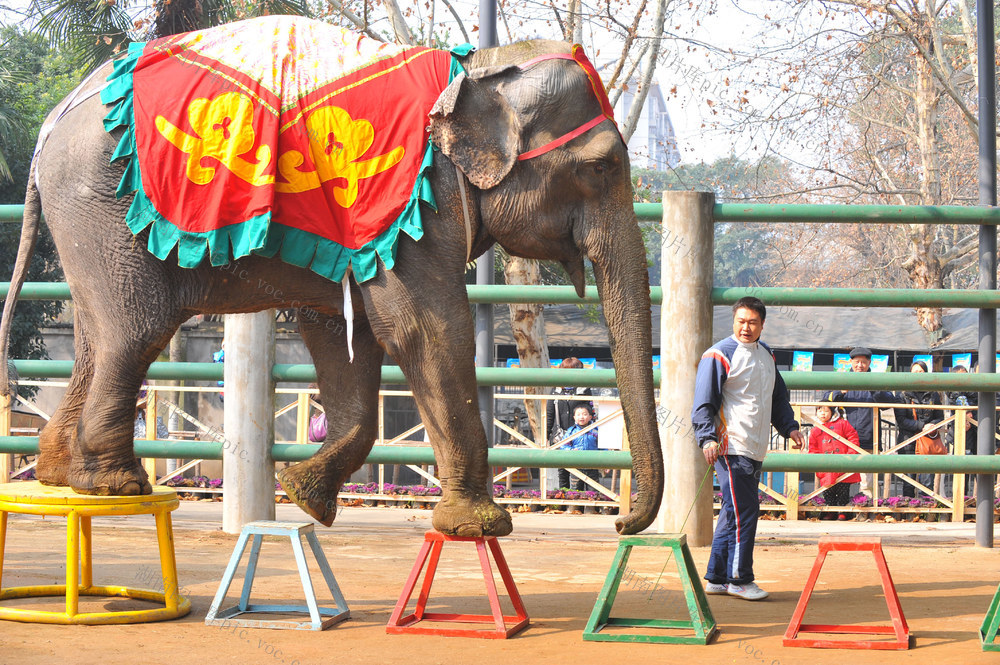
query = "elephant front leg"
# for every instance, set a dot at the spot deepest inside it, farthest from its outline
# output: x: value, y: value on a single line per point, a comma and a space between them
x: 432, y: 342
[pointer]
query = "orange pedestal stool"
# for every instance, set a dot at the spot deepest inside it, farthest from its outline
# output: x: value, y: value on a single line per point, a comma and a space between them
x: 433, y: 542
x: 898, y: 629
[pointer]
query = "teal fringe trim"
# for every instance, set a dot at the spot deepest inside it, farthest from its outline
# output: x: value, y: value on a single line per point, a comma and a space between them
x: 257, y: 235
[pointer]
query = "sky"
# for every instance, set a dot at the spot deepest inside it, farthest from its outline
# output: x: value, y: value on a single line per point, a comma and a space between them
x: 685, y: 70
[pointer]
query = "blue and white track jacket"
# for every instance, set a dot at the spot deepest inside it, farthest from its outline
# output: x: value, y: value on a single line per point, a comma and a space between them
x: 738, y: 395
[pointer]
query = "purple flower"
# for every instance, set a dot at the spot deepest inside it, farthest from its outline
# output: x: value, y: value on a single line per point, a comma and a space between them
x: 216, y: 483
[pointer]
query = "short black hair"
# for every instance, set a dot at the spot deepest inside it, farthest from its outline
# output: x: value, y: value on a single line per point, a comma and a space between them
x: 753, y: 304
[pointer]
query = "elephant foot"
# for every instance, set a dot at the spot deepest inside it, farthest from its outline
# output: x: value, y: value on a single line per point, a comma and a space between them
x: 52, y: 468
x: 129, y: 481
x: 53, y: 456
x: 311, y: 491
x: 471, y: 517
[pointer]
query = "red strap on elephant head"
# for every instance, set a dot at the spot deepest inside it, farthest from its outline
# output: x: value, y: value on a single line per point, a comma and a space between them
x: 607, y: 112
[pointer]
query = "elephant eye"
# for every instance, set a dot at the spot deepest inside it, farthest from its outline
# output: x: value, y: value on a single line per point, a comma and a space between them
x: 600, y: 168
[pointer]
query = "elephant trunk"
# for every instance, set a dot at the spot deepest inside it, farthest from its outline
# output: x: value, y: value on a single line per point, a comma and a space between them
x: 623, y: 285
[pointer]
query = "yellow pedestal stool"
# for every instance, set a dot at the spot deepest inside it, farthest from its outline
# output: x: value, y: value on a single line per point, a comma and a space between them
x: 33, y: 498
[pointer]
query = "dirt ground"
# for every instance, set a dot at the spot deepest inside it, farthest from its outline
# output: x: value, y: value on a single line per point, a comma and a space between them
x: 945, y: 588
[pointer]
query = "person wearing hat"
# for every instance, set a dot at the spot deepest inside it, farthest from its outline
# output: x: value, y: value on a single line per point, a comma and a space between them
x: 862, y: 418
x: 829, y: 437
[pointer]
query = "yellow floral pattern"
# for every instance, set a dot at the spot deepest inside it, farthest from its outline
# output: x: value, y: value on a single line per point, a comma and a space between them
x: 224, y: 128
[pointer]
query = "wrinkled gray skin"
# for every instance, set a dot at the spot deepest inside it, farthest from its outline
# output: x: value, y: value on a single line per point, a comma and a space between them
x: 572, y: 203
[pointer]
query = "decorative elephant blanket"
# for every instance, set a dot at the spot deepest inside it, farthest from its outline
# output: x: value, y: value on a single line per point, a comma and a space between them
x: 277, y: 136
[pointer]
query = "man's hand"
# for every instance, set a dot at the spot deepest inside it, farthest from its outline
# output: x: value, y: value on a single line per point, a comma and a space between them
x: 798, y: 441
x: 711, y: 452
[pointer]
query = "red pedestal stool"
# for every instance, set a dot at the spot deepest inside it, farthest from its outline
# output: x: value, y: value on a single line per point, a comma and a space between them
x: 898, y: 629
x: 433, y: 542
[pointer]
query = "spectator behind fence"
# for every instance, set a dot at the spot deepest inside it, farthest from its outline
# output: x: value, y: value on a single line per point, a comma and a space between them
x: 559, y: 412
x: 962, y: 398
x: 838, y: 493
x: 911, y: 422
x: 317, y: 418
x: 738, y: 395
x: 861, y: 417
x: 585, y: 441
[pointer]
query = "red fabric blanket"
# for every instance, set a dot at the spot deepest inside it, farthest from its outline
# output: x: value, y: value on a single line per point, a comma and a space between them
x: 278, y: 134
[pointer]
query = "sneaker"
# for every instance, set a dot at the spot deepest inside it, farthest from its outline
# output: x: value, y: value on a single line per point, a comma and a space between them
x: 716, y: 589
x: 748, y: 591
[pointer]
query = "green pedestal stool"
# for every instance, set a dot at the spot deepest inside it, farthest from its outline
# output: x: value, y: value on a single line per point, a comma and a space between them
x: 991, y: 622
x: 702, y: 623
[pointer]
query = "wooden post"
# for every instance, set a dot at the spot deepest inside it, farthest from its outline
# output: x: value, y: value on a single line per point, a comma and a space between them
x: 248, y: 469
x: 625, y: 488
x: 958, y: 480
x: 685, y: 333
x: 6, y: 460
x: 302, y: 418
x: 792, y: 481
x: 149, y: 463
x: 876, y: 447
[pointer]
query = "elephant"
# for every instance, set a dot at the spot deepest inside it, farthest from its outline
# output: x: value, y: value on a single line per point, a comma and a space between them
x: 527, y: 156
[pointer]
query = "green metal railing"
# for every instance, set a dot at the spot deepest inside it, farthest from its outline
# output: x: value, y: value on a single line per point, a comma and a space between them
x: 580, y: 459
x: 593, y: 378
x: 843, y: 214
x: 566, y: 295
x: 606, y: 378
x: 808, y: 213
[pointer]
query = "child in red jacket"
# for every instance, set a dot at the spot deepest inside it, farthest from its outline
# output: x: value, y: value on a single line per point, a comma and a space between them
x: 837, y: 492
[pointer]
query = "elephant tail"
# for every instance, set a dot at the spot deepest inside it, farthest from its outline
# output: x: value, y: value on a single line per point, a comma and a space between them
x: 25, y: 250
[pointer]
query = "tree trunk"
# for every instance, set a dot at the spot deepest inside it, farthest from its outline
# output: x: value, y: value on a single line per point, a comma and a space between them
x: 527, y: 324
x: 923, y: 265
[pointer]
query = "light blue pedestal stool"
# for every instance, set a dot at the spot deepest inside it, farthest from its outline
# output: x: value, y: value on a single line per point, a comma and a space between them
x: 320, y: 617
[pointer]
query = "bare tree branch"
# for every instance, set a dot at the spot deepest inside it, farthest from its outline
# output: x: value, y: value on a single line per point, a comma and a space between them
x: 398, y: 23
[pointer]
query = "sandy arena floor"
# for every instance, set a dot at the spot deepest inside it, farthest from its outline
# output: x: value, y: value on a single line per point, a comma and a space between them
x: 559, y: 562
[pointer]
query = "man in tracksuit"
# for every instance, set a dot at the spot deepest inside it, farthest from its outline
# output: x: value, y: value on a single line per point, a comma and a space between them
x: 738, y: 396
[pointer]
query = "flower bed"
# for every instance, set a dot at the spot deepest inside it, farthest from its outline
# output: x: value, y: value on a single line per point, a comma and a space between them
x: 411, y: 495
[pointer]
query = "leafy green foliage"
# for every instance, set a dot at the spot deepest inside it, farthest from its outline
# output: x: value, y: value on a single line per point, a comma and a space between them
x: 744, y: 255
x: 96, y: 31
x: 731, y: 178
x: 43, y: 79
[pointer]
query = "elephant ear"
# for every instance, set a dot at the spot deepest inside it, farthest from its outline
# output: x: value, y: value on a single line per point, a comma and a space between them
x: 477, y: 129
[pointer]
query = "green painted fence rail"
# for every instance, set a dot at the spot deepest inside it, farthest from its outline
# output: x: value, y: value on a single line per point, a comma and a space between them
x: 850, y: 214
x: 594, y: 378
x: 776, y: 213
x: 774, y: 297
x: 485, y: 376
x: 580, y: 459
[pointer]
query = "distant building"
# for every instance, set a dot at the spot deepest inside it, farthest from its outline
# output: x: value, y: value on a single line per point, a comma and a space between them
x: 654, y: 144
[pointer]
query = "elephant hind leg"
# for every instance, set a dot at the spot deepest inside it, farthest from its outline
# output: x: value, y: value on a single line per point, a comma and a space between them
x: 58, y: 438
x: 349, y: 392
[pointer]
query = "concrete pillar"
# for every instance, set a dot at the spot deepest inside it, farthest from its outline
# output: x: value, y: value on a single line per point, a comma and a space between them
x: 685, y: 333
x: 248, y: 469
